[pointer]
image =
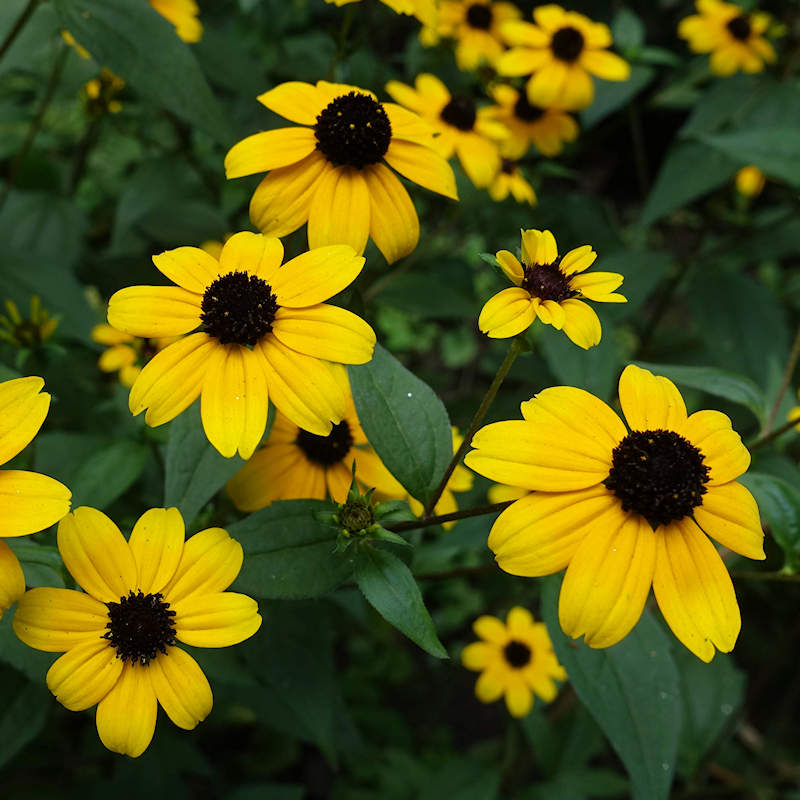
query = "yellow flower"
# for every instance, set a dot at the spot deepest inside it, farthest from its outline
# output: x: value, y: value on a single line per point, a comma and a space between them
x: 266, y: 332
x: 546, y: 128
x: 119, y: 635
x: 296, y: 464
x: 515, y: 660
x: 423, y: 10
x: 734, y: 38
x: 560, y: 53
x: 475, y: 25
x: 625, y: 510
x: 126, y: 354
x: 550, y: 287
x: 510, y: 180
x: 500, y: 493
x: 464, y: 130
x: 750, y: 181
x: 32, y: 332
x: 100, y: 92
x: 329, y: 172
x: 31, y: 502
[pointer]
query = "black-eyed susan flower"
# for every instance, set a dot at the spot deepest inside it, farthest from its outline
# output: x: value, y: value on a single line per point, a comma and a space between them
x: 515, y: 659
x: 295, y: 464
x: 546, y: 128
x: 464, y: 130
x: 31, y: 502
x: 560, y: 52
x: 750, y: 181
x: 510, y: 180
x: 475, y: 26
x: 551, y: 288
x: 423, y: 10
x: 625, y: 509
x: 329, y: 171
x: 119, y: 635
x: 734, y: 37
x: 126, y: 354
x: 267, y: 332
x: 27, y: 332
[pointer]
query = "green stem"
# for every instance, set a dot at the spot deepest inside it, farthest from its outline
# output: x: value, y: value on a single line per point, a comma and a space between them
x: 85, y: 147
x: 514, y: 350
x: 786, y: 380
x: 757, y: 444
x: 341, y: 44
x: 18, y: 26
x: 754, y: 575
x: 424, y: 522
x: 662, y: 306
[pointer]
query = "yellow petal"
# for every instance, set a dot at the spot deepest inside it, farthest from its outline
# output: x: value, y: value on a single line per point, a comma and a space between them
x: 253, y: 253
x: 269, y: 150
x: 538, y: 247
x: 507, y: 313
x: 339, y: 211
x: 551, y: 313
x: 491, y: 629
x: 606, y: 65
x: 549, y: 16
x: 407, y: 125
x: 12, y: 580
x: 578, y: 260
x: 521, y: 61
x: 547, y: 85
x: 524, y: 34
x: 510, y: 266
x: 85, y: 674
x: 422, y: 165
x: 157, y: 545
x: 598, y: 286
x: 519, y: 698
x: 267, y: 476
x: 117, y: 357
x: 181, y: 687
x: 126, y: 716
x: 105, y: 334
x: 724, y: 454
x: 490, y: 685
x: 729, y: 514
x: 650, y: 402
x: 394, y: 225
x: 152, y: 311
x: 294, y: 100
x: 478, y: 655
x: 22, y: 411
x: 189, y: 267
x: 519, y: 620
x: 338, y: 478
x: 479, y: 157
x: 31, y: 502
x: 216, y: 620
x: 581, y: 323
x: 578, y: 89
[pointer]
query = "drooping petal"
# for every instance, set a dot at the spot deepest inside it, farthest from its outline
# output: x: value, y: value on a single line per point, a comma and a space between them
x: 394, y: 225
x: 729, y: 514
x: 23, y: 408
x: 30, y: 502
x: 216, y: 620
x: 153, y: 311
x: 581, y: 323
x: 649, y: 401
x: 12, y: 579
x: 157, y: 545
x: 251, y: 252
x: 181, y: 687
x: 422, y: 165
x: 268, y: 150
x: 316, y: 276
x: 725, y: 455
x: 507, y: 313
x: 190, y: 268
x: 85, y: 674
x: 339, y: 211
x: 294, y: 100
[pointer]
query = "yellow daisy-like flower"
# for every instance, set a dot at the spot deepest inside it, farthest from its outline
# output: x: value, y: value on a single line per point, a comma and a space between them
x: 329, y: 171
x: 475, y: 25
x: 266, y: 332
x: 623, y: 510
x: 510, y: 180
x: 295, y: 464
x: 126, y: 354
x: 515, y: 660
x: 119, y: 635
x: 734, y: 37
x: 464, y: 130
x: 31, y: 502
x: 551, y: 288
x: 560, y: 52
x: 424, y: 10
x: 750, y: 181
x: 546, y: 128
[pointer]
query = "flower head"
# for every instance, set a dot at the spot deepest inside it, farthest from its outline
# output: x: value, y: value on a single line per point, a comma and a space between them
x: 267, y: 332
x: 750, y: 181
x: 119, y: 636
x: 510, y: 180
x: 734, y: 38
x: 560, y: 52
x: 550, y: 287
x: 100, y: 93
x: 515, y: 660
x: 126, y: 354
x: 330, y: 171
x: 625, y: 508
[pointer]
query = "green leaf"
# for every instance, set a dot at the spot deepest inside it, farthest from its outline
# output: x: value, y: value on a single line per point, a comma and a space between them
x: 138, y: 44
x: 31, y: 663
x: 404, y: 420
x: 24, y: 712
x: 108, y: 473
x: 389, y: 586
x: 632, y: 690
x: 412, y: 293
x: 464, y: 779
x: 289, y: 553
x: 776, y: 151
x: 628, y: 30
x: 41, y: 564
x: 194, y: 470
x: 718, y: 382
x: 612, y: 95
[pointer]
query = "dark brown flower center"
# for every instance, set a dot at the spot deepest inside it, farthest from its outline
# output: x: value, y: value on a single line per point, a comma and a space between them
x: 460, y: 113
x: 739, y: 28
x: 353, y: 129
x: 326, y: 450
x: 238, y: 308
x: 517, y: 654
x: 547, y: 282
x: 479, y: 16
x: 140, y: 627
x: 526, y: 111
x: 567, y: 44
x: 507, y: 166
x: 658, y: 474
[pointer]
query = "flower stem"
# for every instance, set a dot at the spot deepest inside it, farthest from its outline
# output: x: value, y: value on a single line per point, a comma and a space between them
x: 757, y: 444
x: 341, y: 44
x: 787, y: 379
x: 424, y: 522
x: 18, y: 26
x: 517, y: 345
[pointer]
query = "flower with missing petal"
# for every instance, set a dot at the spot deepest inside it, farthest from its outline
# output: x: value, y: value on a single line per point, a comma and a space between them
x: 515, y: 659
x: 119, y: 636
x: 267, y: 333
x: 624, y: 509
x: 550, y: 287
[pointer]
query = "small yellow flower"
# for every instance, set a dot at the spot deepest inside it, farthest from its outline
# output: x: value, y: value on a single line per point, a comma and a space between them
x: 126, y: 354
x: 469, y: 132
x: 510, y: 180
x: 550, y: 287
x: 734, y: 37
x: 560, y: 52
x: 750, y: 181
x: 32, y: 332
x: 100, y: 93
x: 625, y: 510
x: 119, y: 635
x: 515, y: 660
x: 423, y: 10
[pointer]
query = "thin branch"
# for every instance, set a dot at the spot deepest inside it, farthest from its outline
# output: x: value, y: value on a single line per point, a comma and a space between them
x: 785, y: 381
x: 18, y: 26
x: 427, y: 521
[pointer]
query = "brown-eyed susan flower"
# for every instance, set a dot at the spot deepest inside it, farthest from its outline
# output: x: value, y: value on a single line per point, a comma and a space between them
x: 31, y: 502
x: 734, y: 37
x: 126, y: 354
x: 464, y: 130
x: 750, y: 181
x: 119, y: 635
x: 515, y: 659
x: 267, y: 333
x: 546, y: 128
x: 561, y: 52
x: 475, y: 26
x: 552, y: 288
x: 295, y: 464
x: 329, y: 171
x: 27, y: 332
x: 423, y: 10
x: 625, y: 508
x: 510, y: 180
